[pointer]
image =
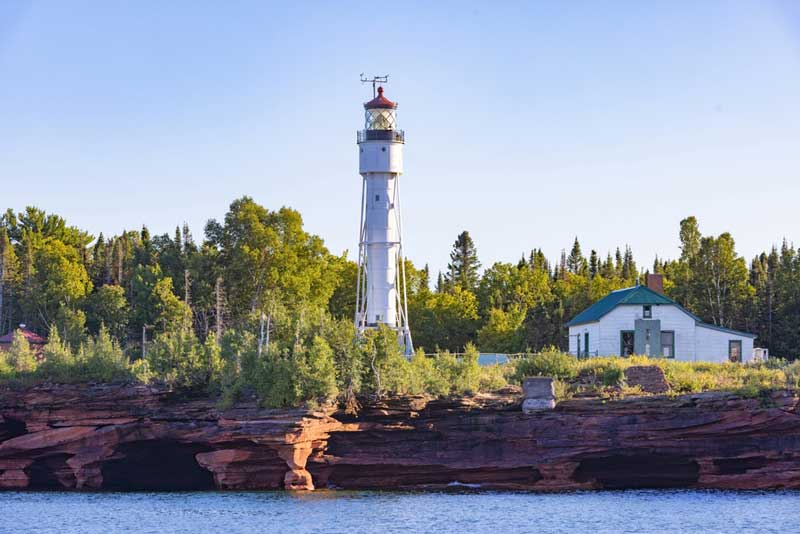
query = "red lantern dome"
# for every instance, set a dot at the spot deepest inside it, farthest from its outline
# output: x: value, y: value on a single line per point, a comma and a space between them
x: 380, y: 102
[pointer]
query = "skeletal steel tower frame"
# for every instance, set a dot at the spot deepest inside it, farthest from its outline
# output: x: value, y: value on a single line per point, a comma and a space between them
x: 381, y: 296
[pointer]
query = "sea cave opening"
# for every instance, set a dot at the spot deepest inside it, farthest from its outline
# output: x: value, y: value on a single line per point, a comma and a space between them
x: 157, y: 465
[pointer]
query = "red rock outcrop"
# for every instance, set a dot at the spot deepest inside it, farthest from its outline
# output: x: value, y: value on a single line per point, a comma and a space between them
x: 120, y: 437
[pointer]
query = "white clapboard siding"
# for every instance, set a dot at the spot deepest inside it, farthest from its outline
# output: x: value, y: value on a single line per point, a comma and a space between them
x: 693, y: 341
x: 712, y: 345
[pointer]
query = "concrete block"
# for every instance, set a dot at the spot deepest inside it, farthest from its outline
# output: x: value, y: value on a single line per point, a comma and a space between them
x: 537, y: 405
x: 539, y: 387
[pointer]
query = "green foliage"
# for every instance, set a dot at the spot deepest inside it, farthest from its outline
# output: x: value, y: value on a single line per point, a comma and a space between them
x: 72, y: 323
x: 463, y: 269
x: 548, y: 363
x: 58, y: 362
x: 100, y: 359
x: 108, y: 306
x: 181, y: 359
x: 6, y: 369
x: 502, y: 332
x: 426, y: 376
x: 317, y: 371
x: 444, y: 320
x: 20, y: 356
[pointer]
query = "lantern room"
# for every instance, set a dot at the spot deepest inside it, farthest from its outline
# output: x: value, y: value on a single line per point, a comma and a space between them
x: 380, y: 120
x: 381, y: 113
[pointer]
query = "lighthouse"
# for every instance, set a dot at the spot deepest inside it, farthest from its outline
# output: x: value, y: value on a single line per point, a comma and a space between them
x: 381, y: 287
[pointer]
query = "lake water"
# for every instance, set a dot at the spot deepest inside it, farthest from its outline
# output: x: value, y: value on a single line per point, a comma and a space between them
x: 355, y: 512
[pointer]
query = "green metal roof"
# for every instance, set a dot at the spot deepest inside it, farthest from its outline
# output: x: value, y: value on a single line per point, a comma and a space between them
x: 637, y: 295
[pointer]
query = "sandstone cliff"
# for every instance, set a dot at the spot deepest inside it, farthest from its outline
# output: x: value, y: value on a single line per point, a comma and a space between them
x: 123, y: 437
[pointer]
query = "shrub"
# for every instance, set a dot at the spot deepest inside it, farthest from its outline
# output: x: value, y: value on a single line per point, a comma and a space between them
x: 317, y: 372
x: 426, y: 377
x: 59, y: 362
x: 20, y: 356
x: 549, y: 363
x: 100, y: 359
x: 562, y: 390
x: 492, y: 377
x: 6, y: 369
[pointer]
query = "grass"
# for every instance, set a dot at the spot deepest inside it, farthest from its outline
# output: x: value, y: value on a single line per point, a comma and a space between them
x: 606, y: 376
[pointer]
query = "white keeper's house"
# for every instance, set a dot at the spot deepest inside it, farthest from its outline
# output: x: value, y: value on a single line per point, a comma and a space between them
x: 642, y: 320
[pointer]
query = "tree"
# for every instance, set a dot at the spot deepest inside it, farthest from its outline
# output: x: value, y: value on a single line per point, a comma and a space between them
x: 690, y: 238
x: 594, y: 264
x: 58, y: 361
x: 576, y: 263
x: 507, y: 286
x: 107, y: 305
x: 719, y: 280
x: 317, y: 370
x: 629, y: 270
x: 269, y: 261
x: 446, y: 320
x: 462, y: 271
x: 59, y: 280
x: 503, y: 331
x: 20, y: 355
x: 9, y: 266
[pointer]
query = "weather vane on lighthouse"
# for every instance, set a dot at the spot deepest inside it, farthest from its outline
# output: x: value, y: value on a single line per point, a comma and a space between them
x: 381, y: 287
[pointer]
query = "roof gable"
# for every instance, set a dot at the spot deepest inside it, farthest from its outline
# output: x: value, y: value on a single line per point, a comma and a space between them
x: 32, y: 337
x: 637, y: 295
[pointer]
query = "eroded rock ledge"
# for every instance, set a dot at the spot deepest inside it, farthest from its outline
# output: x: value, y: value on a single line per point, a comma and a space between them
x: 125, y: 437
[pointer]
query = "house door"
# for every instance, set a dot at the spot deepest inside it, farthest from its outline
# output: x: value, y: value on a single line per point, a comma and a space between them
x: 735, y: 350
x: 626, y: 338
x: 586, y: 343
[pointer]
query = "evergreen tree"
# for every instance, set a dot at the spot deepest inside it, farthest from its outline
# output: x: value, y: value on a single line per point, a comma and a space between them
x: 576, y: 263
x: 594, y: 264
x: 618, y: 263
x: 607, y: 269
x: 629, y: 270
x: 462, y: 271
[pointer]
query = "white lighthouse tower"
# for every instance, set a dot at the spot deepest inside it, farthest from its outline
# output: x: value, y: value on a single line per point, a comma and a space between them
x: 381, y: 293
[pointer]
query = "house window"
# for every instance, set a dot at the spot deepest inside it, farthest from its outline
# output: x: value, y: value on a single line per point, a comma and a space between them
x: 735, y: 350
x: 647, y: 311
x: 626, y: 343
x: 668, y: 344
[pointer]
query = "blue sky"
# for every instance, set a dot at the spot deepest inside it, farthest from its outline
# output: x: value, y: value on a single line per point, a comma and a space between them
x: 527, y: 123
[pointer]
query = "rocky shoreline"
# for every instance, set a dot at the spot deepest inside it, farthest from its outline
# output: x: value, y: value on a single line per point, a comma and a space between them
x: 133, y: 437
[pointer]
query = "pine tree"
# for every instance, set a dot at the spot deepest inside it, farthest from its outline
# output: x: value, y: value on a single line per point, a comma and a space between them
x: 618, y: 263
x: 464, y: 265
x: 576, y: 263
x: 629, y: 269
x: 607, y: 269
x: 594, y: 264
x: 425, y: 278
x: 440, y: 283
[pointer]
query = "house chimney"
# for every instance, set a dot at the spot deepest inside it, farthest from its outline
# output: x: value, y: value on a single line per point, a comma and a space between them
x: 656, y: 283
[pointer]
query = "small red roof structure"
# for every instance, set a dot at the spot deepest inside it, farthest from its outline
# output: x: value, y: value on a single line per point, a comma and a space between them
x: 32, y: 337
x: 380, y: 102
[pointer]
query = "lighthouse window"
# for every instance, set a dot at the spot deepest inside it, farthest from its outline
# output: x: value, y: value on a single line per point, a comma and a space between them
x: 377, y: 198
x: 380, y: 119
